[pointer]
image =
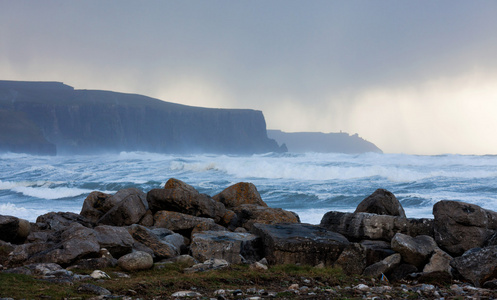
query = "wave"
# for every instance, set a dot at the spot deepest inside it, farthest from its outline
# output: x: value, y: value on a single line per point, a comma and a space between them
x: 51, y: 193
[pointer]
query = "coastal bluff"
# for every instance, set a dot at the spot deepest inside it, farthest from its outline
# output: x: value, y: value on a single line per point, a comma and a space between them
x: 51, y: 117
x: 136, y: 230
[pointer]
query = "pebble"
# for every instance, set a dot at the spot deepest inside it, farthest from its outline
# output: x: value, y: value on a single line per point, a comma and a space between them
x: 186, y: 294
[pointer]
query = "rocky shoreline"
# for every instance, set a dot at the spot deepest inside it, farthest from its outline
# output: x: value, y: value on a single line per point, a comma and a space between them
x: 452, y: 255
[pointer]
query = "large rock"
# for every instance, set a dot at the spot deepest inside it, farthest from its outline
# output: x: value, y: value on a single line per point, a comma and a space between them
x: 96, y: 205
x: 300, y: 243
x: 238, y: 194
x: 353, y: 259
x: 439, y: 262
x: 383, y: 267
x: 136, y: 261
x: 59, y: 221
x: 376, y: 251
x: 115, y: 239
x: 234, y: 247
x: 250, y: 214
x: 182, y: 199
x: 77, y: 242
x: 477, y: 265
x: 130, y: 206
x: 381, y: 202
x: 461, y: 226
x: 13, y: 229
x: 155, y: 240
x: 183, y: 223
x: 366, y: 226
x: 414, y: 250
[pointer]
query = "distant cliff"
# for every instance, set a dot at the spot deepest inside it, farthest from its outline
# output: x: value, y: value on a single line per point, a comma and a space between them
x: 89, y: 121
x: 300, y: 142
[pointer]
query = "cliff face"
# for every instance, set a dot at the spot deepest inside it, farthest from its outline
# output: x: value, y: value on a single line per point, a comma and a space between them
x: 301, y: 142
x: 87, y: 121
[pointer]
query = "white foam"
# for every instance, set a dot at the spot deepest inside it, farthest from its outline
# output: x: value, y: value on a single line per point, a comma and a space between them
x: 29, y: 214
x: 50, y: 193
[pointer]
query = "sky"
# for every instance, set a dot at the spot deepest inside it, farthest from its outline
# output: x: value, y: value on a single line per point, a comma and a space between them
x: 415, y: 77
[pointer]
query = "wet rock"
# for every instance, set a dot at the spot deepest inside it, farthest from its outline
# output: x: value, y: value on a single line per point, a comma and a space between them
x: 136, y: 261
x: 477, y: 265
x: 462, y: 226
x: 129, y: 208
x: 383, y: 267
x: 250, y: 214
x: 414, y: 250
x: 116, y: 240
x: 238, y: 194
x: 366, y: 226
x: 381, y: 202
x: 180, y: 197
x: 300, y: 243
x: 234, y: 247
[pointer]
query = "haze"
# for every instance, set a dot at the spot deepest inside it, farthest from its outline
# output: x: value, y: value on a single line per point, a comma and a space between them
x: 416, y: 77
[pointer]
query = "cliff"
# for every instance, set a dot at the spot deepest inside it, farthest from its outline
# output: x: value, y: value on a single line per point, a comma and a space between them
x: 342, y: 142
x: 90, y: 121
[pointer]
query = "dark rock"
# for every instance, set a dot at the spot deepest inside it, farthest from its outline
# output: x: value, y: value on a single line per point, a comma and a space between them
x: 402, y: 272
x: 136, y: 261
x: 94, y: 263
x: 461, y: 226
x: 238, y: 194
x: 414, y: 250
x: 185, y: 201
x: 250, y: 214
x: 13, y: 229
x: 59, y: 221
x: 184, y: 224
x: 154, y: 239
x: 89, y: 288
x: 236, y: 248
x: 376, y: 251
x: 96, y: 205
x: 383, y: 267
x: 300, y: 243
x: 439, y: 278
x: 115, y: 239
x: 353, y: 259
x: 5, y: 249
x: 381, y: 202
x: 130, y: 206
x: 491, y: 284
x: 477, y: 265
x: 366, y: 226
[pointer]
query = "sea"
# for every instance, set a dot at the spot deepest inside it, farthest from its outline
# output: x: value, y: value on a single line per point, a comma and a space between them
x: 309, y: 184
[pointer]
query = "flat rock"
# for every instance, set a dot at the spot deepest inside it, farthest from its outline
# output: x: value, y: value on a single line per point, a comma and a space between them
x: 250, y: 214
x: 383, y: 267
x: 300, y: 243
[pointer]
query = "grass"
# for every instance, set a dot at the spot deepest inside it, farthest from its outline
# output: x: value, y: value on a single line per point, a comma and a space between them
x: 161, y: 283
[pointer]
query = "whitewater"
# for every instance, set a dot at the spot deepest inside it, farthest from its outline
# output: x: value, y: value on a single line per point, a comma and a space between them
x: 309, y: 184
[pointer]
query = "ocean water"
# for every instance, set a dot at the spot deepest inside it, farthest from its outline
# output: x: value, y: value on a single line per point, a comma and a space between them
x: 309, y: 184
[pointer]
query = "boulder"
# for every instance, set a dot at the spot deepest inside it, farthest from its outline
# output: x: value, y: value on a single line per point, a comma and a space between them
x: 300, y: 243
x: 77, y: 242
x: 414, y: 250
x: 96, y: 205
x: 353, y: 259
x: 460, y: 226
x: 381, y: 202
x: 238, y: 194
x: 439, y: 262
x: 477, y: 265
x: 59, y: 221
x: 183, y: 200
x: 250, y: 214
x: 376, y: 251
x: 13, y: 229
x: 116, y: 240
x: 383, y: 267
x: 236, y: 248
x: 184, y: 224
x: 129, y: 208
x: 366, y: 226
x: 154, y: 239
x: 136, y: 261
